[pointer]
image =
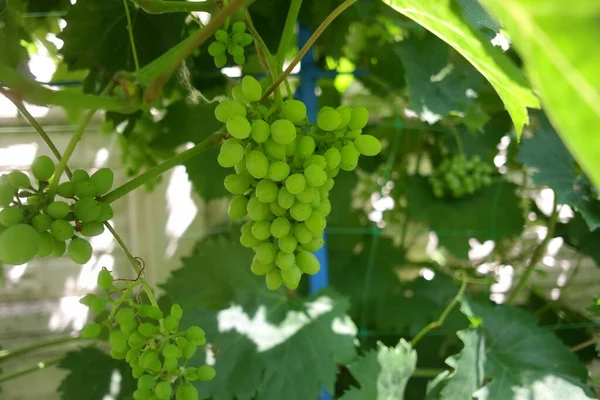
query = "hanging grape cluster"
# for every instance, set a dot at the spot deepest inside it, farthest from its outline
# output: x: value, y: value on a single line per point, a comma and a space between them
x: 284, y: 170
x: 231, y: 43
x: 152, y: 344
x: 459, y: 176
x: 35, y: 223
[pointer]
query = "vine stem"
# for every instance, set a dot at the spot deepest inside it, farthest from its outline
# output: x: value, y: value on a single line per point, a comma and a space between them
x: 163, y: 167
x: 334, y: 14
x: 162, y: 7
x: 131, y: 39
x: 440, y: 321
x: 27, y: 370
x: 288, y: 31
x: 11, y: 353
x: 427, y: 372
x: 537, y: 255
x: 36, y: 125
x: 585, y: 344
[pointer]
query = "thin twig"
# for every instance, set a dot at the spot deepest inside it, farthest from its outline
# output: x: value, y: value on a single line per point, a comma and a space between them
x: 27, y: 370
x: 585, y: 344
x: 131, y: 39
x: 7, y: 354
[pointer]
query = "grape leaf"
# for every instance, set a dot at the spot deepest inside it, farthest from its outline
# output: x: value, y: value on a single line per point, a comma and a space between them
x: 186, y: 122
x: 492, y: 213
x: 96, y: 38
x: 440, y: 17
x: 554, y: 43
x: 92, y: 375
x: 280, y: 338
x: 477, y: 16
x: 207, y: 175
x: 555, y: 167
x: 576, y: 233
x: 12, y: 32
x: 383, y: 373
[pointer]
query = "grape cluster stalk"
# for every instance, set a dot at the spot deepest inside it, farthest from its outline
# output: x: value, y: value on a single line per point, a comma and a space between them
x: 284, y: 171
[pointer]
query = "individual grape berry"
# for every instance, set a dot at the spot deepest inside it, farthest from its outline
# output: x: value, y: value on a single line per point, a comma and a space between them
x: 106, y: 213
x: 95, y: 303
x: 220, y: 60
x: 195, y: 334
x: 58, y: 209
x: 102, y: 180
x: 66, y: 190
x: 278, y: 171
x: 170, y: 323
x: 91, y: 331
x: 91, y: 229
x: 147, y: 329
x: 294, y: 110
x: 176, y: 311
x: 87, y: 209
x: 367, y: 145
x: 18, y: 180
x: 257, y: 164
x: 291, y: 277
x: 316, y: 159
x: 285, y: 199
x: 237, y: 92
x: 265, y: 252
x: 163, y: 390
x: 257, y: 210
x: 305, y: 146
x: 283, y: 131
x: 41, y: 222
x: 260, y: 131
x: 189, y: 350
x: 287, y: 244
x: 259, y: 268
x: 231, y: 153
x: 206, y: 373
x: 85, y: 189
x: 239, y: 127
x: 105, y: 279
x: 266, y: 191
x: 262, y: 230
x: 252, y: 88
x: 350, y: 157
x: 328, y: 119
x: 186, y: 392
x: 148, y: 311
x: 217, y: 48
x: 229, y: 109
x: 280, y: 227
x: 295, y: 184
x: 59, y: 248
x: 236, y: 184
x: 359, y: 119
x: 117, y: 341
x: 324, y: 208
x: 284, y: 260
x: 314, y: 244
x: 290, y: 149
x: 146, y: 382
x: 274, y: 150
x: 239, y: 59
x: 80, y: 250
x: 346, y: 114
x: 300, y: 211
x: 238, y: 27
x: 46, y: 244
x: 316, y: 223
x: 33, y: 200
x: 19, y: 244
x: 7, y: 193
x: 273, y: 279
x: 276, y: 209
x: 333, y: 158
x: 307, y: 195
x: 79, y: 175
x: 11, y: 215
x: 222, y: 36
x: 42, y: 168
x: 315, y: 176
x: 243, y: 39
x: 302, y: 234
x: 235, y: 49
x: 353, y: 134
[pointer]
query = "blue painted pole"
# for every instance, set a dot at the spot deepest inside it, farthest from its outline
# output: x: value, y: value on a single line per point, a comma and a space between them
x: 309, y: 73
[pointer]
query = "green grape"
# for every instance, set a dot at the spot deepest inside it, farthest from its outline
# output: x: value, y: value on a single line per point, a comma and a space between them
x: 295, y: 184
x: 324, y: 192
x: 314, y: 244
x: 294, y: 110
x: 307, y: 262
x: 186, y: 392
x: 316, y: 200
x: 117, y: 341
x: 259, y: 268
x: 236, y: 184
x: 169, y: 364
x: 106, y: 213
x: 280, y: 227
x: 257, y: 164
x: 222, y: 36
x: 252, y: 88
x: 360, y: 117
x: 260, y: 131
x: 243, y: 39
x: 41, y: 222
x: 328, y: 119
x: 195, y: 334
x: 262, y: 230
x: 329, y: 184
x: 91, y: 331
x: 176, y: 311
x: 290, y: 149
x: 85, y: 189
x: 353, y: 134
x: 231, y: 153
x: 316, y: 223
x: 273, y: 279
x: 181, y: 342
x: 147, y: 329
x: 136, y: 340
x: 283, y: 131
x: 105, y: 279
x: 239, y: 127
x: 102, y: 180
x: 18, y: 180
x: 237, y: 92
x: 46, y: 244
x: 316, y: 159
x: 7, y: 193
x: 153, y: 312
x: 276, y: 209
x: 170, y: 323
x: 278, y: 171
x: 125, y: 316
x: 79, y: 175
x: 300, y: 211
x: 95, y: 303
x: 171, y: 351
x: 220, y: 60
x: 148, y: 359
x: 333, y: 158
x: 136, y: 372
x: 19, y: 244
x: 324, y: 208
x: 306, y: 196
x: 315, y: 176
x: 118, y: 355
x: 275, y: 150
x: 291, y: 277
x: 11, y: 215
x: 66, y: 189
x: 248, y: 240
x: 33, y: 200
x: 58, y: 248
x: 217, y: 48
x: 265, y: 252
x: 285, y: 199
x: 58, y: 209
x: 189, y: 350
x: 305, y: 146
x: 80, y: 250
x: 284, y: 260
x: 87, y: 209
x: 43, y: 168
x: 239, y: 59
x: 266, y: 191
x: 287, y: 244
x: 235, y: 49
x: 229, y: 109
x: 238, y: 27
x: 91, y: 229
x: 257, y: 210
x: 350, y: 156
x: 206, y: 373
x: 146, y: 382
x: 346, y: 114
x: 191, y: 373
x: 163, y: 390
x: 302, y: 234
x: 367, y: 145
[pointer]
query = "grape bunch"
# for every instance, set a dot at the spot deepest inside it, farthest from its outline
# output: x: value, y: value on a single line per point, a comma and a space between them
x: 459, y: 176
x: 35, y: 223
x: 151, y: 343
x: 284, y: 170
x: 230, y: 42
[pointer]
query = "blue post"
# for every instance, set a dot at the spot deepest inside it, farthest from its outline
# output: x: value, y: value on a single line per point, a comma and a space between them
x: 309, y: 74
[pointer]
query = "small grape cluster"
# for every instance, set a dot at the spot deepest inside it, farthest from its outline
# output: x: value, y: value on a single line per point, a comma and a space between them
x: 230, y: 42
x: 459, y: 176
x: 33, y: 223
x: 284, y: 170
x: 152, y: 344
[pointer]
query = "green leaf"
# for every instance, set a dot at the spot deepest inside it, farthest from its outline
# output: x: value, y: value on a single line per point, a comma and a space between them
x: 207, y: 175
x: 492, y: 213
x: 281, y: 338
x: 92, y: 374
x: 440, y: 17
x: 555, y: 44
x: 383, y: 373
x: 576, y: 233
x: 187, y: 122
x: 555, y: 167
x: 476, y: 15
x: 12, y: 32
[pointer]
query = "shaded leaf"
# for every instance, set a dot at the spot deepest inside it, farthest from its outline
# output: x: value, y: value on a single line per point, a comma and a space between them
x: 576, y: 233
x: 207, y: 175
x: 12, y: 32
x: 477, y: 16
x: 186, y: 122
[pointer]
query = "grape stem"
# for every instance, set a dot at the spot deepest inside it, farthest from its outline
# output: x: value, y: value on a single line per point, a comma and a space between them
x: 163, y: 7
x: 212, y: 141
x: 334, y: 14
x: 33, y: 368
x: 11, y: 353
x: 288, y: 32
x: 131, y: 39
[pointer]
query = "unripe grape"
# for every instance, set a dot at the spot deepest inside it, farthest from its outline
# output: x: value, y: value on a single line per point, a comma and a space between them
x: 316, y: 159
x: 217, y: 48
x: 102, y: 180
x: 350, y: 156
x: 46, y: 244
x: 291, y: 277
x: 105, y: 279
x: 260, y: 131
x: 290, y: 149
x: 252, y: 88
x: 265, y: 252
x: 280, y: 227
x: 231, y: 153
x: 163, y: 390
x: 316, y: 200
x: 11, y: 215
x: 257, y: 210
x: 171, y: 351
x: 91, y: 331
x: 41, y: 222
x: 220, y: 61
x: 294, y: 110
x: 106, y: 213
x: 95, y: 303
x: 333, y: 158
x: 18, y: 180
x: 148, y: 311
x: 146, y: 382
x: 7, y: 193
x: 80, y: 250
x: 276, y: 209
x: 359, y: 119
x: 285, y: 260
x: 236, y: 184
x: 206, y: 373
x: 125, y: 316
x: 266, y: 191
x: 273, y: 279
x: 257, y: 164
x: 287, y: 244
x: 283, y: 131
x: 248, y: 240
x: 353, y: 134
x: 237, y: 208
x: 117, y: 341
x: 262, y: 230
x: 33, y: 200
x: 316, y: 223
x: 346, y: 114
x: 59, y: 247
x: 87, y: 209
x: 285, y: 199
x: 222, y: 36
x: 315, y: 176
x: 278, y: 171
x: 314, y: 244
x: 295, y: 184
x: 43, y: 168
x: 229, y: 109
x: 79, y: 175
x: 235, y: 49
x: 324, y: 208
x: 195, y: 334
x: 259, y: 268
x: 170, y: 323
x: 66, y: 189
x: 237, y: 92
x: 243, y: 39
x: 147, y: 329
x: 239, y: 127
x: 307, y: 262
x: 307, y: 195
x: 305, y: 146
x: 275, y: 150
x: 302, y: 234
x: 186, y: 392
x: 85, y: 189
x: 91, y: 229
x: 62, y: 230
x: 58, y: 209
x: 367, y: 145
x: 300, y: 211
x: 238, y: 27
x: 239, y: 59
x: 328, y: 119
x: 332, y: 173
